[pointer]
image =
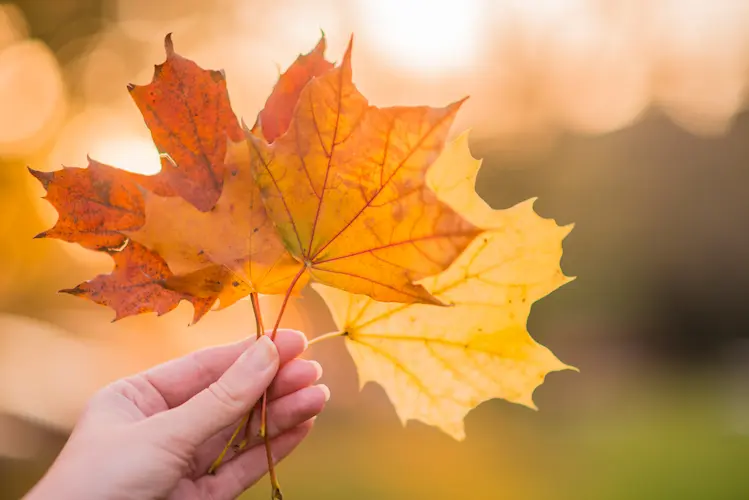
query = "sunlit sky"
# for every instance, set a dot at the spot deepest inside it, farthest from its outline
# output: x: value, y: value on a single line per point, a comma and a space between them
x: 423, y: 35
x: 532, y: 69
x: 129, y: 153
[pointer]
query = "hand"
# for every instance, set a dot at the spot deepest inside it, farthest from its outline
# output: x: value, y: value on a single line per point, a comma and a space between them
x: 155, y: 434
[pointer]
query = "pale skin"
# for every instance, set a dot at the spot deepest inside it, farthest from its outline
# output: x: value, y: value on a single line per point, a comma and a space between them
x: 154, y: 435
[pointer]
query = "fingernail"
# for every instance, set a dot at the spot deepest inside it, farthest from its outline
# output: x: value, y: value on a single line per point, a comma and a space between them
x: 318, y: 369
x: 262, y: 354
x: 325, y: 391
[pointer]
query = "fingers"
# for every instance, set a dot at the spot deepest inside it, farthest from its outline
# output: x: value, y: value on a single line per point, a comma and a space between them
x: 180, y: 379
x: 225, y: 400
x: 242, y: 472
x: 283, y: 414
x: 294, y: 375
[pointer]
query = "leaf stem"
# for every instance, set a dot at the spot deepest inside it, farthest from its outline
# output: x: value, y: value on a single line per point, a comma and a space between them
x: 275, y: 486
x: 326, y: 336
x: 246, y: 421
x: 286, y: 300
x: 260, y: 329
x: 219, y: 460
x: 276, y: 492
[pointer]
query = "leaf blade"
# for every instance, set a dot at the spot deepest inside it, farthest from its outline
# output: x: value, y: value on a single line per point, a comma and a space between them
x: 273, y: 120
x: 94, y: 204
x: 436, y: 364
x: 347, y: 182
x: 187, y: 110
x: 235, y: 234
x: 135, y: 286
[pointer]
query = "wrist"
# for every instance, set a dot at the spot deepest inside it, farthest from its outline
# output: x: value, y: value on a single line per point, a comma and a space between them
x: 50, y: 486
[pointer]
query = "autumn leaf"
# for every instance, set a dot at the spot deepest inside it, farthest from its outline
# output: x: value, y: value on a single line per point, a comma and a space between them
x: 438, y: 363
x: 235, y: 234
x: 430, y: 286
x: 135, y: 286
x: 345, y: 187
x: 187, y: 110
x: 214, y: 282
x: 274, y: 119
x: 94, y: 204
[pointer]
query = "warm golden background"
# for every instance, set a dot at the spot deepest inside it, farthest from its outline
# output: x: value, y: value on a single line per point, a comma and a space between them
x: 625, y: 117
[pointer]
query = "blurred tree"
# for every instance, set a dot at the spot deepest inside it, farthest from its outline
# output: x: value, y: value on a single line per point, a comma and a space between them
x: 61, y: 22
x: 660, y: 239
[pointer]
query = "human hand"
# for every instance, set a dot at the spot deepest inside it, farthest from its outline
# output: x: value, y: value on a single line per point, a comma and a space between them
x: 155, y: 434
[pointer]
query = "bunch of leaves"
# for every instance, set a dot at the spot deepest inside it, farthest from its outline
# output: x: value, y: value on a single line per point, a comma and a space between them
x: 429, y: 286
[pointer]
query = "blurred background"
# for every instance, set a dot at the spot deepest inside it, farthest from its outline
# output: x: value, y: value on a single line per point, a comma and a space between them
x: 627, y: 118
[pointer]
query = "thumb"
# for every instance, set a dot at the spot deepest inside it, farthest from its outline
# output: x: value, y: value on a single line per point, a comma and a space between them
x: 225, y: 401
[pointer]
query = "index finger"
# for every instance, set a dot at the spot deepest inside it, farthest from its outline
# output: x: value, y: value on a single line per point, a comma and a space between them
x: 181, y: 379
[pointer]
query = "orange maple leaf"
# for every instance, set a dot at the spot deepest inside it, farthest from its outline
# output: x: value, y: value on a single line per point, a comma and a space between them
x: 135, y: 285
x: 346, y: 189
x: 188, y: 113
x: 216, y: 283
x: 95, y: 204
x: 236, y: 234
x: 274, y: 119
x: 187, y: 110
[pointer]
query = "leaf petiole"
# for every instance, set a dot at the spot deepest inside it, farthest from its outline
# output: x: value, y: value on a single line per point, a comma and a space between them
x: 276, y: 488
x: 219, y: 460
x: 326, y: 336
x: 247, y: 419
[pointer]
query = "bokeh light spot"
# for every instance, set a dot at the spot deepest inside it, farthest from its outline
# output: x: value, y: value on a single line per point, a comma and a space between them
x: 32, y: 96
x: 431, y: 35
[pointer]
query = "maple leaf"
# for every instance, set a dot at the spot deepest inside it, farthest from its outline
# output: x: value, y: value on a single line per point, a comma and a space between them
x: 187, y: 110
x: 436, y: 364
x: 216, y: 283
x: 135, y: 286
x: 345, y: 187
x: 95, y: 204
x: 236, y: 233
x: 274, y: 119
x: 327, y: 187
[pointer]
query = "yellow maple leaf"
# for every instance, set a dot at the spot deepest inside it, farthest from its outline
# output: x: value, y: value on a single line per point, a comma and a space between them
x: 438, y: 363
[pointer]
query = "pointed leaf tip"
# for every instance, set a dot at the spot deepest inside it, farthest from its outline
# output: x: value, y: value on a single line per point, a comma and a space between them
x: 321, y: 44
x: 275, y: 117
x: 347, y: 55
x: 43, y: 177
x: 455, y: 106
x: 169, y: 45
